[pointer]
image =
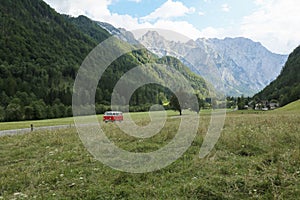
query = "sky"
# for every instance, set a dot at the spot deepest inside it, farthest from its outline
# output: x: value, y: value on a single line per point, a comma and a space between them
x: 273, y: 23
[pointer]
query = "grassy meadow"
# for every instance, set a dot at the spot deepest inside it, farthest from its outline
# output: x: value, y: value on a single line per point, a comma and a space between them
x: 36, y: 123
x: 256, y: 157
x: 66, y: 121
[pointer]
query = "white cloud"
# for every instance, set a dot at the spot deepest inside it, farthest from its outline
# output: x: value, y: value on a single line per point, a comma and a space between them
x: 200, y: 13
x: 275, y: 25
x: 181, y: 27
x: 125, y: 21
x: 260, y: 2
x: 92, y: 8
x: 159, y: 19
x: 169, y: 9
x: 225, y: 8
x: 136, y: 1
x: 98, y: 10
x: 211, y: 32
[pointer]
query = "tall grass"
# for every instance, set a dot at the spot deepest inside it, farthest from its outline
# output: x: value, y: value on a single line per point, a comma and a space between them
x: 257, y: 157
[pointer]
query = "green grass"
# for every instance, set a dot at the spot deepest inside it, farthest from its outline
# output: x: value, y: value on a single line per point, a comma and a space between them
x: 257, y: 157
x: 292, y: 107
x: 64, y: 121
x: 36, y: 123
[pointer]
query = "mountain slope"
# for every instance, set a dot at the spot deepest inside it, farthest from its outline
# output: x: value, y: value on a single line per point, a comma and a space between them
x: 40, y: 54
x: 120, y: 33
x: 31, y: 30
x: 138, y: 57
x: 261, y: 66
x: 286, y: 88
x: 243, y: 66
x: 89, y: 27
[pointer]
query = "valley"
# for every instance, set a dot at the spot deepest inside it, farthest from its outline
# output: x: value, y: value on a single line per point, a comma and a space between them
x: 204, y: 118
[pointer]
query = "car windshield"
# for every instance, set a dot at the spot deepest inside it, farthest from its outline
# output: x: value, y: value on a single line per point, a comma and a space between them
x: 112, y: 113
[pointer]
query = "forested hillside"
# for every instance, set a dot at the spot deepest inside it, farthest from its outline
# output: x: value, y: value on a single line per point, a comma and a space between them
x: 88, y: 27
x: 40, y: 53
x: 286, y: 88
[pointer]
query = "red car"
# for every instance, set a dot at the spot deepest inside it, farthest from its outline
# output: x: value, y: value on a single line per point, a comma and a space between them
x: 112, y: 116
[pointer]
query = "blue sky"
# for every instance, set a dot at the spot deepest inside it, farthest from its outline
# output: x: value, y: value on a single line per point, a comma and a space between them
x: 274, y: 23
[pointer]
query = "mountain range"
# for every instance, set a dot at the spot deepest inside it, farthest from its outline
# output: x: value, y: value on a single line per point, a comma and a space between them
x: 243, y: 66
x: 41, y: 52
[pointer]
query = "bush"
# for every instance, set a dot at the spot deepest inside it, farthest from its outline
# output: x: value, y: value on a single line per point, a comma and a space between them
x: 13, y: 112
x: 2, y: 114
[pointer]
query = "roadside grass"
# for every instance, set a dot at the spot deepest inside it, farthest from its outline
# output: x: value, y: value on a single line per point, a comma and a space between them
x: 36, y: 123
x: 257, y: 157
x: 67, y: 121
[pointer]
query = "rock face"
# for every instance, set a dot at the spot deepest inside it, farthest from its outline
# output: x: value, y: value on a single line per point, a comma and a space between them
x: 245, y: 67
x: 261, y: 66
x: 238, y: 65
x: 120, y: 33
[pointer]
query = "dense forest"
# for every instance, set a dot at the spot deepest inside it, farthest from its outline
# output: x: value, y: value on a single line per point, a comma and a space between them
x: 41, y: 52
x: 286, y: 88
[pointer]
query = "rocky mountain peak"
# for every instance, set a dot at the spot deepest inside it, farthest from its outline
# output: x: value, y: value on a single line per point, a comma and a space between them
x: 244, y: 66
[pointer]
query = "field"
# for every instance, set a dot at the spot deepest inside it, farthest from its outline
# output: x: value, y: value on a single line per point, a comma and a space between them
x: 57, y: 122
x: 38, y: 123
x: 292, y: 107
x: 256, y: 157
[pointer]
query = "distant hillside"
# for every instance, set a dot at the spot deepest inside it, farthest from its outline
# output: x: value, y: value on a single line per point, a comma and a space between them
x: 286, y: 88
x: 40, y: 54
